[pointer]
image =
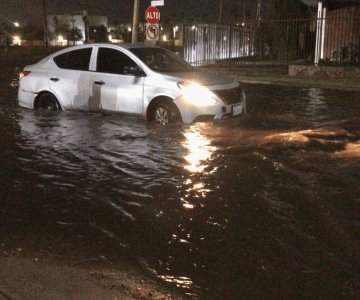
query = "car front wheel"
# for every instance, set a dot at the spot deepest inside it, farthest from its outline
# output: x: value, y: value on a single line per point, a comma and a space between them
x: 164, y: 113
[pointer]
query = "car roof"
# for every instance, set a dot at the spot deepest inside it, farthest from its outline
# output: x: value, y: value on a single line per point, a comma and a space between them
x: 126, y: 46
x: 123, y: 45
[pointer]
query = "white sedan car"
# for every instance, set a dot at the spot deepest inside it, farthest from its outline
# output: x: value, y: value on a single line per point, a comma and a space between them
x: 134, y: 79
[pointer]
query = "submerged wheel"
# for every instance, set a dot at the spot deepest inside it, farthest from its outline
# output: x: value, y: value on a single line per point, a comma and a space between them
x: 47, y: 101
x: 164, y: 113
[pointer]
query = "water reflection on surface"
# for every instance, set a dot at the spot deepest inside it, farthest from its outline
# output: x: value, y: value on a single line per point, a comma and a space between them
x: 198, y: 157
x: 199, y: 147
x: 316, y: 104
x: 265, y: 206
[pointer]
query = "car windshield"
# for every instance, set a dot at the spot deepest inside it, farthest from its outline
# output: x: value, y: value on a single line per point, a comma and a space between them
x: 162, y: 60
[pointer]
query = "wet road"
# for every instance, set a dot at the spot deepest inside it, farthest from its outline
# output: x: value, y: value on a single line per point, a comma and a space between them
x: 265, y: 206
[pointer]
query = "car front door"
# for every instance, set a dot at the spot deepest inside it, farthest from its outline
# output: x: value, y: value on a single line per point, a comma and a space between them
x: 117, y: 84
x: 70, y: 81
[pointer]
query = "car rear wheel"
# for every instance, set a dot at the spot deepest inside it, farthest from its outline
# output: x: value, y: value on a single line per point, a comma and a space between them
x: 164, y: 113
x: 46, y: 101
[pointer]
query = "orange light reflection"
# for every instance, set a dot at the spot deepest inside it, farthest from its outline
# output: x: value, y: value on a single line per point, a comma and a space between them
x: 199, y: 149
x: 199, y: 153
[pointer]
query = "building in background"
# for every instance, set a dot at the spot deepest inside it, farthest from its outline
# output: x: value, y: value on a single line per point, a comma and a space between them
x: 342, y: 33
x: 76, y: 28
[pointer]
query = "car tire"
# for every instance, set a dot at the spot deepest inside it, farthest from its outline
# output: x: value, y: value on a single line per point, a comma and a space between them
x: 164, y: 113
x: 46, y: 101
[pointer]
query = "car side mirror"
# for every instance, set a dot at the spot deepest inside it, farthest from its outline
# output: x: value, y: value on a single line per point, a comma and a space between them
x: 132, y: 70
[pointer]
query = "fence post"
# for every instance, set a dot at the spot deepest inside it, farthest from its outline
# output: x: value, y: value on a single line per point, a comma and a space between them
x: 323, y: 27
x: 260, y: 35
x: 230, y: 42
x: 6, y: 44
x: 184, y: 40
x: 318, y: 34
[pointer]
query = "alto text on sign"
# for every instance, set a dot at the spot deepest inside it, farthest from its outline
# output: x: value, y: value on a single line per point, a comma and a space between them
x: 152, y: 15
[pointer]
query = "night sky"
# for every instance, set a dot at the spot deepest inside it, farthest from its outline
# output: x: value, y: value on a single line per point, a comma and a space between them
x: 30, y: 11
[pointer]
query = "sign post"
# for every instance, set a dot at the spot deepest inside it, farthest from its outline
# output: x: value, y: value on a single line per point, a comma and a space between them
x: 152, y: 16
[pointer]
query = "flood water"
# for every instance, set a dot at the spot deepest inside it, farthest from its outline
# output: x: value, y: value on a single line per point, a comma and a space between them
x: 263, y: 206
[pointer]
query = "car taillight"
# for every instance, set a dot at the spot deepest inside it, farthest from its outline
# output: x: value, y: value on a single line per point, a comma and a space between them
x: 23, y: 74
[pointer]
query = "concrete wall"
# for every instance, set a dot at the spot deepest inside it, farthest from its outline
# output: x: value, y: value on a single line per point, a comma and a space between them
x: 324, y: 71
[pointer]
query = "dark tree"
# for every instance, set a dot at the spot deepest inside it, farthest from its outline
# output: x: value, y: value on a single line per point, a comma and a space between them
x: 284, y: 30
x: 285, y: 9
x: 31, y: 33
x: 99, y: 34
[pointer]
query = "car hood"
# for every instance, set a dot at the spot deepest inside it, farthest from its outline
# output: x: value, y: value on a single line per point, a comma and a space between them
x: 203, y: 78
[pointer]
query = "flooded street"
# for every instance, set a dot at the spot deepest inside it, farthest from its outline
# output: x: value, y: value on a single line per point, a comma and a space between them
x: 264, y: 206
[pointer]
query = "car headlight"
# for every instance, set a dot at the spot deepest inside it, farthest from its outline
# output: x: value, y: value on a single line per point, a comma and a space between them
x: 197, y: 94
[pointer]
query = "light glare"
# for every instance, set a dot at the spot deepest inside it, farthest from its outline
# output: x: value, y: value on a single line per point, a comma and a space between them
x: 16, y: 40
x: 197, y: 94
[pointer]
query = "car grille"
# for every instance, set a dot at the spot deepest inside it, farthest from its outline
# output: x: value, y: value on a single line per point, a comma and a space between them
x: 230, y: 96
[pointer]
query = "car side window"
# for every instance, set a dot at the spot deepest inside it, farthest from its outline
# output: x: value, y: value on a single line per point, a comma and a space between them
x: 114, y: 62
x: 74, y: 60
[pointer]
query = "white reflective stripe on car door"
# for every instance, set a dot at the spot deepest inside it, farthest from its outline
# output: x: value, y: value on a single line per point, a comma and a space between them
x: 71, y: 87
x: 122, y: 93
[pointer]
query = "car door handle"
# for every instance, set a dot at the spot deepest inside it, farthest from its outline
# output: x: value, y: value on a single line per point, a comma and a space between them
x: 55, y: 79
x: 99, y: 82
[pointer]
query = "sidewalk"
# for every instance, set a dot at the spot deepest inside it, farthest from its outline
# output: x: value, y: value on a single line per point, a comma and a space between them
x: 259, y: 76
x: 49, y: 278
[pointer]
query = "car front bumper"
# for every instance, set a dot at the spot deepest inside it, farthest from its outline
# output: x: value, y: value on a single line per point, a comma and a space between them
x: 190, y: 113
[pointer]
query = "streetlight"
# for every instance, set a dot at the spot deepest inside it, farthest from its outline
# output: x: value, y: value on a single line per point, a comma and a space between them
x: 16, y: 24
x: 46, y: 37
x: 220, y: 11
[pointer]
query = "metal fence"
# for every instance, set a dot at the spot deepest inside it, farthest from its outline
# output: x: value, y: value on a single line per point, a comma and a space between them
x: 277, y: 41
x: 209, y: 43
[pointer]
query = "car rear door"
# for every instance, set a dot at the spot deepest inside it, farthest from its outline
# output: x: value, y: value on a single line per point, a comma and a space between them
x: 70, y: 81
x: 117, y: 84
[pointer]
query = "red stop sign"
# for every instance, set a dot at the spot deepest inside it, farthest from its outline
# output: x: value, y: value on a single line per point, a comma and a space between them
x: 152, y: 15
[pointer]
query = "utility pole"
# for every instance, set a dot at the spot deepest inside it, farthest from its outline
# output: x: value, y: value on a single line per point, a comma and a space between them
x: 86, y: 23
x: 5, y: 36
x: 258, y: 12
x: 135, y: 29
x: 244, y: 12
x: 73, y: 29
x: 220, y: 11
x: 46, y: 38
x: 6, y: 43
